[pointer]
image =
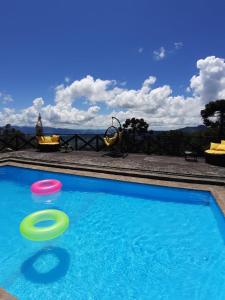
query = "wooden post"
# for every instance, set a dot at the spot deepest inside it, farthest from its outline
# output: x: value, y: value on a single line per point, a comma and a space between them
x: 75, y: 140
x: 97, y: 143
x: 17, y: 142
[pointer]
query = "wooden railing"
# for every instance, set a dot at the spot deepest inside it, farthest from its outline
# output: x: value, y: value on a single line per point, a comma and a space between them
x: 83, y: 142
x: 163, y: 144
x: 77, y: 142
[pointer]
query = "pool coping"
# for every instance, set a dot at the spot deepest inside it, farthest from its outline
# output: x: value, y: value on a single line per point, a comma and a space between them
x: 168, y: 176
x: 4, y: 295
x: 217, y: 191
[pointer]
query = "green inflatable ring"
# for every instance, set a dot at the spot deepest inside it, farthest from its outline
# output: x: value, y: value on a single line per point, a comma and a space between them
x: 34, y: 233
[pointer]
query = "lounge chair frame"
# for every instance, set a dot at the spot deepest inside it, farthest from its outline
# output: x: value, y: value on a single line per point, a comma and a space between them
x: 215, y: 159
x: 47, y: 147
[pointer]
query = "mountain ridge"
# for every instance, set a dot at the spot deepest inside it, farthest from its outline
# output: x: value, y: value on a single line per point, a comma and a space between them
x: 52, y: 130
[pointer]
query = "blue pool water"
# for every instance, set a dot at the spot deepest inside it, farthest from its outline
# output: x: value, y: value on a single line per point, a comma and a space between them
x: 125, y: 241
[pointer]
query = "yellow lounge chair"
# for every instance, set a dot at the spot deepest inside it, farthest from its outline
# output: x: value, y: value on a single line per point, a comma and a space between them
x: 48, y: 143
x: 216, y: 154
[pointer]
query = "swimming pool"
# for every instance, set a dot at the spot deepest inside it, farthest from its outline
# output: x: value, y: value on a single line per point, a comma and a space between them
x: 125, y: 241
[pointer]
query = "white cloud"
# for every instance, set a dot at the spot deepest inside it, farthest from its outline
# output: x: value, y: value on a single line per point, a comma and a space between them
x: 209, y: 84
x: 178, y: 45
x: 140, y: 50
x: 89, y: 88
x: 67, y: 79
x: 38, y: 102
x: 5, y: 98
x: 162, y: 52
x: 159, y: 54
x: 157, y: 104
x: 123, y: 83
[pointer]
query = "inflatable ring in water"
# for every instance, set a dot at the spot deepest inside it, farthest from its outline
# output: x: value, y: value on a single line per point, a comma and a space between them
x: 35, y: 233
x: 46, y: 187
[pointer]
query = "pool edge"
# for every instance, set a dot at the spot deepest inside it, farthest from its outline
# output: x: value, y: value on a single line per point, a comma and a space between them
x: 218, y: 192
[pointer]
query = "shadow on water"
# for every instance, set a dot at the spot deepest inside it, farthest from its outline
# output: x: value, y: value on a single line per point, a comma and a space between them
x: 46, y: 199
x: 30, y: 272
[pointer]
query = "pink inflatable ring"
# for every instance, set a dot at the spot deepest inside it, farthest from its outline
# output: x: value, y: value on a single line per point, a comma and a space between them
x: 46, y: 187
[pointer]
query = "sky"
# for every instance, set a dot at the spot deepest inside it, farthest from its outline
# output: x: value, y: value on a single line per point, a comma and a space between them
x: 79, y: 63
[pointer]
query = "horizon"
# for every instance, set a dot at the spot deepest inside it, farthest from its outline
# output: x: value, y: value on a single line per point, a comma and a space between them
x: 79, y: 64
x: 27, y: 129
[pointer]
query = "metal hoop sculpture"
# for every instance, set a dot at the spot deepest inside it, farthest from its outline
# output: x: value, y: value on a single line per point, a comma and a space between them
x: 114, y: 118
x: 111, y: 139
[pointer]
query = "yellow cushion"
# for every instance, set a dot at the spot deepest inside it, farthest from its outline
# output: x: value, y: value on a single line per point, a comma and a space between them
x: 213, y: 146
x: 214, y: 152
x: 48, y: 143
x: 47, y: 139
x: 55, y: 138
x: 41, y: 139
x: 223, y: 142
x: 221, y: 147
x: 109, y: 141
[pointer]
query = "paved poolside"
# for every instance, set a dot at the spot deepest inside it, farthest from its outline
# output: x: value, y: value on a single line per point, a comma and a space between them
x: 140, y: 165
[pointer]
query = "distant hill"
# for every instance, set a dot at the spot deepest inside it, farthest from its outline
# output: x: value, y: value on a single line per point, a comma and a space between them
x: 185, y: 129
x: 51, y: 130
x: 193, y: 129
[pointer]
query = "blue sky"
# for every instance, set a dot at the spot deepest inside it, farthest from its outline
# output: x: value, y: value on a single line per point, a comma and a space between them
x: 44, y: 42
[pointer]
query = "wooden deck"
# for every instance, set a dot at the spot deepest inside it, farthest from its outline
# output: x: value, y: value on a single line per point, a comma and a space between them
x: 140, y: 165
